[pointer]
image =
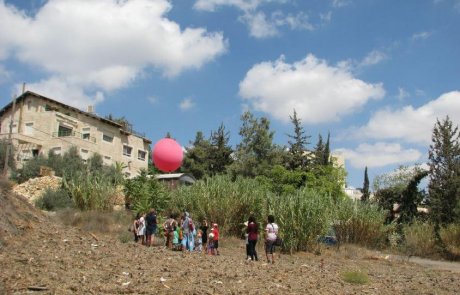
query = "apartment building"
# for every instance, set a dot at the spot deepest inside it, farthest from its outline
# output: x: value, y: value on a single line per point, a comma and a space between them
x: 41, y: 124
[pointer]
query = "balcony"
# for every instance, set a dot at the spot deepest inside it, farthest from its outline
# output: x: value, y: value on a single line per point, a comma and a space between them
x: 74, y: 134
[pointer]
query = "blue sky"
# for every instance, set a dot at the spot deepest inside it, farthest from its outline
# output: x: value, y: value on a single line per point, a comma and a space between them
x: 375, y: 73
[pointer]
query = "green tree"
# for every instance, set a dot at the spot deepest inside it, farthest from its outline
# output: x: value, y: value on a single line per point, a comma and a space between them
x: 411, y: 198
x: 196, y: 160
x: 327, y: 151
x: 254, y: 154
x: 298, y: 145
x: 319, y: 151
x: 220, y: 152
x: 444, y: 188
x: 366, y: 193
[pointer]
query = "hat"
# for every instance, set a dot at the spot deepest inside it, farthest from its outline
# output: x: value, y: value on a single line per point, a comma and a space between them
x: 215, y: 225
x: 245, y: 223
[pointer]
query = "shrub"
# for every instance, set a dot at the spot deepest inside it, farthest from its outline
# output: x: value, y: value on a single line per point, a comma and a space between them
x: 90, y: 191
x: 450, y: 236
x: 419, y: 239
x: 144, y: 192
x: 223, y: 201
x: 52, y: 200
x: 360, y: 223
x: 302, y: 217
x: 355, y: 277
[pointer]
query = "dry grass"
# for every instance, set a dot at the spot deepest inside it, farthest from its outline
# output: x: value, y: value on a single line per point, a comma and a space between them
x: 95, y: 221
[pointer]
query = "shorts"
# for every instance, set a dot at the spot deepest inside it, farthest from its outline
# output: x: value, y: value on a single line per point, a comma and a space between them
x: 150, y: 231
x: 216, y: 244
x: 269, y: 247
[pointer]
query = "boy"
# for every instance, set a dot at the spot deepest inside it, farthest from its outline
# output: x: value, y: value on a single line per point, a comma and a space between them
x: 215, y: 232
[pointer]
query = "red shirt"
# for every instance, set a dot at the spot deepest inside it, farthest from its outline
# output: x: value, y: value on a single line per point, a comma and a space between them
x: 215, y: 231
x: 252, y: 231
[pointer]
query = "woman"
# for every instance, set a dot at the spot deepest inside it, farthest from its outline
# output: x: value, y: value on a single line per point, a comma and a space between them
x: 271, y: 232
x: 151, y: 227
x: 252, y: 231
x: 204, y: 234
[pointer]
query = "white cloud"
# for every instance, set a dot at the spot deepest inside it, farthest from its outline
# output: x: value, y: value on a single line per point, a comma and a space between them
x: 212, y: 5
x: 374, y: 57
x: 104, y: 44
x: 412, y: 124
x: 340, y: 3
x: 317, y: 91
x: 152, y: 99
x: 59, y: 88
x: 402, y: 93
x: 186, y: 104
x: 421, y: 36
x: 259, y: 26
x: 4, y: 74
x: 379, y: 154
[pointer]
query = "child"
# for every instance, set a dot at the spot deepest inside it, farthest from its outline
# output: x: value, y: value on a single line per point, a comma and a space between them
x: 177, y: 246
x: 210, y: 249
x: 141, y: 229
x: 215, y: 231
x: 246, y: 235
x: 199, y: 241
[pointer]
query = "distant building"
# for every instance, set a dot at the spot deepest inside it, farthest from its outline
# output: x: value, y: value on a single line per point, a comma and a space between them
x: 354, y: 193
x: 41, y: 124
x: 173, y: 180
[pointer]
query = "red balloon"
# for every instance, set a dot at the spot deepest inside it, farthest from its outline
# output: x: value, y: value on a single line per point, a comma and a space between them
x: 167, y: 155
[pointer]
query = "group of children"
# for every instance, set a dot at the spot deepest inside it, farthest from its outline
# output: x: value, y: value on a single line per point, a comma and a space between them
x: 183, y: 235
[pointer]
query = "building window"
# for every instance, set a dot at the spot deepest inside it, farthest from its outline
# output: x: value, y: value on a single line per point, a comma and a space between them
x: 14, y: 129
x: 56, y: 150
x: 64, y: 131
x: 141, y: 155
x: 29, y: 129
x: 85, y: 134
x: 84, y: 155
x: 29, y: 105
x: 107, y: 160
x: 127, y: 150
x: 107, y: 138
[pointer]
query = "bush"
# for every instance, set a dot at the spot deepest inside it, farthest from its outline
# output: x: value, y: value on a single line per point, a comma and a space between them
x: 51, y: 200
x: 144, y: 192
x: 360, y: 223
x: 419, y: 239
x: 223, y: 201
x: 355, y: 277
x: 302, y: 217
x: 91, y: 191
x: 450, y: 236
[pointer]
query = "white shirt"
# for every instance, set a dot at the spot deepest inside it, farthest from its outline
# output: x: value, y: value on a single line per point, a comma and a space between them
x: 272, y: 231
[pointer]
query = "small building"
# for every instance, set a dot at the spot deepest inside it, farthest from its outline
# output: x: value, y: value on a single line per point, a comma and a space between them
x: 173, y: 180
x: 40, y: 124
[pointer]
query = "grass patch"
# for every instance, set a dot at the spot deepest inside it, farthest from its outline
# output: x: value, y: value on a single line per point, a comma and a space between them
x: 355, y: 277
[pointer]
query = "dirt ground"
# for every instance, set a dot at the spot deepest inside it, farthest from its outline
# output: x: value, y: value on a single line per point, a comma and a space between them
x: 43, y: 254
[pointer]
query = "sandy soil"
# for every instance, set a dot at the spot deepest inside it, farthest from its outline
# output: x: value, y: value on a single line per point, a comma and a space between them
x: 63, y: 260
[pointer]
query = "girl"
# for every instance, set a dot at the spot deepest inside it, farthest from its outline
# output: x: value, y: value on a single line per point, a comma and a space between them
x: 141, y: 230
x: 252, y: 232
x: 204, y: 234
x: 271, y: 232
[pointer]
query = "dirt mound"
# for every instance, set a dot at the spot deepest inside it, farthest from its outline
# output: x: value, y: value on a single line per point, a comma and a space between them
x: 35, y: 187
x: 16, y: 214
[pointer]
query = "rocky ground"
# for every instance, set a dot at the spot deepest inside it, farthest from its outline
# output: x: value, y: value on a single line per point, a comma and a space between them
x: 41, y: 256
